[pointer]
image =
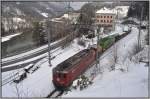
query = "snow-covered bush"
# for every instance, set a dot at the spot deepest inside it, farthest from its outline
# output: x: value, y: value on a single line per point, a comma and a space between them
x: 81, y: 83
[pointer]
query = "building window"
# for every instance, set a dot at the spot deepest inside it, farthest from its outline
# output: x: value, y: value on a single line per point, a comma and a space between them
x: 111, y: 16
x: 110, y: 21
x: 107, y: 16
x: 101, y: 20
x: 107, y: 21
x: 104, y: 16
x: 97, y: 20
x: 101, y: 16
x: 104, y: 21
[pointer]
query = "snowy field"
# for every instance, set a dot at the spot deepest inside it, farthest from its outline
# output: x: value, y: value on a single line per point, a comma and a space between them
x: 133, y: 82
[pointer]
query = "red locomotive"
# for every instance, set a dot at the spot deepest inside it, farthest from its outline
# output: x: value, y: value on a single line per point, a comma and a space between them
x: 66, y: 72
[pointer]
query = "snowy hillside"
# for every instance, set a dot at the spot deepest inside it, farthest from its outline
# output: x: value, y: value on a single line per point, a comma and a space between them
x: 32, y: 9
x: 18, y: 15
x: 129, y: 79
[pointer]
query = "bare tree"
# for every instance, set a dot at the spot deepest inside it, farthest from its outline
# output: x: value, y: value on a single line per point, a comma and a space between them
x: 17, y: 90
x: 115, y: 56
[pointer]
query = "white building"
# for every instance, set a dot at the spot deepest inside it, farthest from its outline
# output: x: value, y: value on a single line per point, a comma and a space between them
x: 72, y: 16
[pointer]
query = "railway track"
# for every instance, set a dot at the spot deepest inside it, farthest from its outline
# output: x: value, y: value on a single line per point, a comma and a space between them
x: 55, y: 94
x: 4, y: 69
x: 26, y: 57
x: 12, y: 77
x: 6, y: 81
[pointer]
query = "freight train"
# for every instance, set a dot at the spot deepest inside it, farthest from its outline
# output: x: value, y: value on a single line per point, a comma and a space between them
x: 66, y: 72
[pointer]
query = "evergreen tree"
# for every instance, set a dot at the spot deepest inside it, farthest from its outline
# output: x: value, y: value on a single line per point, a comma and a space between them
x: 2, y: 29
x: 4, y: 48
x: 38, y: 34
x: 135, y: 9
x: 147, y: 38
x: 85, y: 20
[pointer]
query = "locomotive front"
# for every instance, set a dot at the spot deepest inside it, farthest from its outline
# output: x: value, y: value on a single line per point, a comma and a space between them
x: 66, y: 72
x: 60, y: 79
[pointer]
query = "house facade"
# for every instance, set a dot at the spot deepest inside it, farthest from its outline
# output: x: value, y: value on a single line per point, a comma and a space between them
x: 106, y: 18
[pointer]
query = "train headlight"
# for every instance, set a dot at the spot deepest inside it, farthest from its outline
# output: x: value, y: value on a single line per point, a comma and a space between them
x: 58, y: 79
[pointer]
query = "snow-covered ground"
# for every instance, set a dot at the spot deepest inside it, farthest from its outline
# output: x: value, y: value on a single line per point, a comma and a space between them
x: 38, y: 84
x: 6, y: 38
x: 30, y: 60
x: 133, y: 82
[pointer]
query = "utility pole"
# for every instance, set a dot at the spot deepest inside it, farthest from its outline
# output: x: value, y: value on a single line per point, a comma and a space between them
x: 97, y: 57
x: 49, y: 41
x: 69, y: 20
x: 139, y: 35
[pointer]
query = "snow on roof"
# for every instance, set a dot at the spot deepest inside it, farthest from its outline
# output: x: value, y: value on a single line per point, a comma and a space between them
x: 122, y: 10
x: 17, y: 19
x: 65, y: 16
x: 45, y: 14
x: 106, y: 10
x: 71, y: 15
x: 56, y: 20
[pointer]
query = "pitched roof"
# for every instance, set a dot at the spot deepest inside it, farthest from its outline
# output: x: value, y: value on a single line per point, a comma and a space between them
x: 106, y: 10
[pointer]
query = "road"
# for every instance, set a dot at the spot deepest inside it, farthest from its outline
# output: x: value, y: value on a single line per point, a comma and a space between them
x: 45, y: 50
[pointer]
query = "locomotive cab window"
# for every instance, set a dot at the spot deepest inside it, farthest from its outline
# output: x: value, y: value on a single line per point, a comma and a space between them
x: 59, y: 75
x: 62, y: 75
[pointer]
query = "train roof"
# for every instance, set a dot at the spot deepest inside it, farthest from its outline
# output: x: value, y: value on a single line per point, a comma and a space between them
x: 72, y: 61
